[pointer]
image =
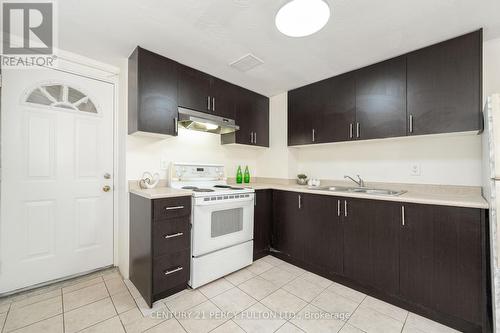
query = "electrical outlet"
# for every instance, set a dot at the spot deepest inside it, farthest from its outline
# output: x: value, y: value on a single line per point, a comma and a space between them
x: 415, y: 169
x: 163, y: 164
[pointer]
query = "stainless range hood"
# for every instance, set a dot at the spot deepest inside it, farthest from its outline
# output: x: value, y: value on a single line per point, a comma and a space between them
x: 199, y: 121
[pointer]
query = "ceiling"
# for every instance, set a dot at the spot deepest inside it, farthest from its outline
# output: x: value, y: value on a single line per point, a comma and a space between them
x: 210, y: 34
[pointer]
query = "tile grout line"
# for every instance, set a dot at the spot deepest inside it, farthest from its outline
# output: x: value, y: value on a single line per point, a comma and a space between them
x: 62, y: 308
x: 114, y: 306
x: 345, y: 323
x: 6, y: 317
x: 406, y: 318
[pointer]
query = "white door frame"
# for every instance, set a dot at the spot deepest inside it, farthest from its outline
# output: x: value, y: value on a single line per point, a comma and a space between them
x: 85, y: 67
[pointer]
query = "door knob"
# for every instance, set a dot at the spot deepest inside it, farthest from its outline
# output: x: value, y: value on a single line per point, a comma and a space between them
x: 106, y: 188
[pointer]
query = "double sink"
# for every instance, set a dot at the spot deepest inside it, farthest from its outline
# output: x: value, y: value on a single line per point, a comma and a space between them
x: 363, y: 190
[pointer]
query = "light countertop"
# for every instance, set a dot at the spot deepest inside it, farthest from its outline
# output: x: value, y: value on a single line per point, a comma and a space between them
x: 445, y: 195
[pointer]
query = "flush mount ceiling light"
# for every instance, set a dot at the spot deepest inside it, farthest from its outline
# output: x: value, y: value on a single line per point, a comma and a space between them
x: 299, y: 18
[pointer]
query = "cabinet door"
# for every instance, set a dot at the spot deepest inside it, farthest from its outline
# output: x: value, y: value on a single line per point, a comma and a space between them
x: 371, y: 238
x: 223, y: 103
x: 444, y: 86
x: 334, y: 108
x: 152, y: 93
x: 252, y: 116
x: 381, y: 100
x: 260, y: 110
x: 288, y: 223
x: 262, y: 222
x: 299, y: 116
x: 323, y: 236
x: 440, y: 259
x: 195, y: 89
x: 243, y: 117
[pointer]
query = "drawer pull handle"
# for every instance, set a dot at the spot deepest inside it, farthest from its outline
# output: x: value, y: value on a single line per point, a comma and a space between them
x: 174, y: 235
x: 173, y: 271
x: 173, y: 208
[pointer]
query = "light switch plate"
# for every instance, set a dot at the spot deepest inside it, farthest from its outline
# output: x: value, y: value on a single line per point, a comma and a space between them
x: 415, y: 169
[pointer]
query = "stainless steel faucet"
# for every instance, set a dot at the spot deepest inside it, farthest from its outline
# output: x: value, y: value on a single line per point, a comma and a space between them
x: 360, y: 182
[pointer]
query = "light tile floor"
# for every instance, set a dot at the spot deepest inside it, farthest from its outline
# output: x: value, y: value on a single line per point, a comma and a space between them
x: 268, y: 296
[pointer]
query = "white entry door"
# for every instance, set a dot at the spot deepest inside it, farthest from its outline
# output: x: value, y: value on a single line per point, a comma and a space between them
x: 57, y: 176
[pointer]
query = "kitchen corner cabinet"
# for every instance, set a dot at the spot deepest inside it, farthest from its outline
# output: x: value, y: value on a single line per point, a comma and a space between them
x: 432, y: 260
x: 263, y: 215
x: 436, y: 89
x: 444, y: 86
x: 252, y: 115
x: 152, y: 93
x: 159, y: 245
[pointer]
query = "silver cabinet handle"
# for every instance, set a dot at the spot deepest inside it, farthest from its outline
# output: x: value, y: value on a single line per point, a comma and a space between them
x: 173, y: 208
x: 251, y: 137
x: 313, y: 135
x: 411, y: 123
x: 176, y: 125
x: 213, y: 103
x: 357, y: 130
x: 403, y: 216
x: 174, y: 270
x: 345, y: 208
x: 255, y: 137
x: 208, y: 103
x: 338, y: 208
x: 350, y: 131
x: 300, y: 203
x: 173, y: 235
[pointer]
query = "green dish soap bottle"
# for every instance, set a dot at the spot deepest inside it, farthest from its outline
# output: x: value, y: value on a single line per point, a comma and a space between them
x: 246, y: 176
x: 239, y: 176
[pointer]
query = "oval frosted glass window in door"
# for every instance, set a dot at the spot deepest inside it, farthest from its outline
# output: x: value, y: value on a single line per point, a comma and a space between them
x: 61, y: 96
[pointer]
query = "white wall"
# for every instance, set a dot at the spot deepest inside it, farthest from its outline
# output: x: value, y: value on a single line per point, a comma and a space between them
x: 450, y: 159
x: 145, y: 153
x: 491, y: 64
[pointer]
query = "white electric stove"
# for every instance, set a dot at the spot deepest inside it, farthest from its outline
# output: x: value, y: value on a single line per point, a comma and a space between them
x: 222, y: 221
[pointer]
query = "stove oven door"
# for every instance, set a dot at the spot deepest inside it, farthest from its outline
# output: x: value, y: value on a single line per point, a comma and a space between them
x: 222, y: 223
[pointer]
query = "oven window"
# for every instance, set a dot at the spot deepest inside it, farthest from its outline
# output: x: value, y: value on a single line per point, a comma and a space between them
x: 226, y: 222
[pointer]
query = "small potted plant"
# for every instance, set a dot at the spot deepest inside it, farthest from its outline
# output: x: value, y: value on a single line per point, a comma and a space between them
x: 301, y: 179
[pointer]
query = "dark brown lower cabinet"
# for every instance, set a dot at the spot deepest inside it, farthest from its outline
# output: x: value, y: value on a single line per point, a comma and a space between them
x: 441, y: 260
x: 371, y: 239
x: 263, y: 215
x: 432, y: 260
x: 159, y: 260
x: 288, y: 224
x: 322, y: 232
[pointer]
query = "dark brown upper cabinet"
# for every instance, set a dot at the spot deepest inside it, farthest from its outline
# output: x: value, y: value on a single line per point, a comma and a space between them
x: 433, y: 90
x: 335, y: 104
x: 444, y: 86
x: 300, y: 116
x: 195, y: 90
x: 381, y: 100
x: 224, y: 103
x: 152, y: 93
x: 251, y: 113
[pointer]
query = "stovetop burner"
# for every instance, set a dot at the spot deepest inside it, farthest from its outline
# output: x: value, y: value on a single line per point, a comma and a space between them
x: 229, y: 187
x: 197, y: 189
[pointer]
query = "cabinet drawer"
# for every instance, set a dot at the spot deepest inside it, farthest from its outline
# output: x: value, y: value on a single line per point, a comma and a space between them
x: 170, y: 271
x: 171, y: 208
x: 171, y: 236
